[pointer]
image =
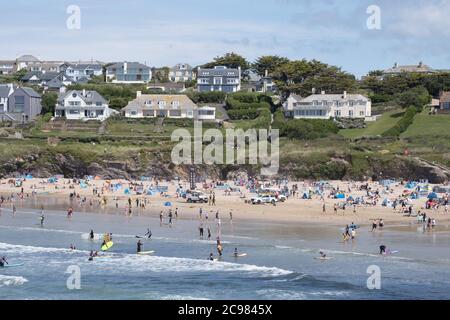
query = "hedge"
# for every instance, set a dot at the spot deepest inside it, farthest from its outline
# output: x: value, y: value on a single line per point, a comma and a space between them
x: 403, y: 124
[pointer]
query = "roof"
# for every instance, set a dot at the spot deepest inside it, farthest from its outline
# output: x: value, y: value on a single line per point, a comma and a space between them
x: 89, y: 96
x: 140, y: 102
x: 182, y: 66
x: 219, y: 71
x: 84, y: 66
x: 445, y: 96
x: 130, y: 65
x: 420, y: 68
x: 28, y: 58
x: 4, y: 91
x: 43, y: 76
x: 30, y: 92
x: 296, y: 96
x: 334, y: 97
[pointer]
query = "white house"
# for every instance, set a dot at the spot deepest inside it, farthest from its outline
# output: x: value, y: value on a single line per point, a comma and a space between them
x: 288, y: 105
x: 181, y: 72
x: 80, y: 71
x: 326, y: 106
x: 166, y: 106
x: 5, y: 91
x: 205, y: 113
x: 83, y: 105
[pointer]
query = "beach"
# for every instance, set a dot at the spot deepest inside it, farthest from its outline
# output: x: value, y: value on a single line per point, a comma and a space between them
x: 281, y: 244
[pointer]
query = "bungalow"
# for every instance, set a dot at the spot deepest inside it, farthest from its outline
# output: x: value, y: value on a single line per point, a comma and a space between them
x: 444, y: 100
x: 326, y: 106
x: 128, y: 72
x: 48, y: 80
x: 398, y: 70
x: 31, y: 63
x: 83, y: 105
x: 24, y: 104
x: 166, y: 106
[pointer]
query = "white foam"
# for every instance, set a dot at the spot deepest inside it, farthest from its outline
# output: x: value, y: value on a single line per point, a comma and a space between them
x: 277, y: 294
x: 6, y: 281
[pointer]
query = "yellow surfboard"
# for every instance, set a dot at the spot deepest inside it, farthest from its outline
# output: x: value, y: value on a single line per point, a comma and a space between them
x: 107, y: 246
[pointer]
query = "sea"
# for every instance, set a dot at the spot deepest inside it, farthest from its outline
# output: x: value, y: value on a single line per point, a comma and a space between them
x: 281, y: 261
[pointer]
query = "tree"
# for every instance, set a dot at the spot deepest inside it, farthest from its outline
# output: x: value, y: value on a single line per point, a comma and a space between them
x: 375, y: 73
x: 269, y: 63
x: 230, y: 60
x: 48, y: 102
x: 417, y: 97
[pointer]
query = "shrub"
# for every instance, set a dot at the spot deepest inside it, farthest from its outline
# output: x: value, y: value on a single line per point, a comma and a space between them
x: 403, y: 124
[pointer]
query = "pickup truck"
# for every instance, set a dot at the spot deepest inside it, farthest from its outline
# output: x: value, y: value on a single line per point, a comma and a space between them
x: 196, y: 197
x: 263, y: 199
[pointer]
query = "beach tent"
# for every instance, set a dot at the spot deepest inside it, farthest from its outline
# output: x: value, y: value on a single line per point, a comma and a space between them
x: 28, y: 176
x: 340, y: 196
x: 168, y: 204
x: 432, y: 195
x: 52, y: 180
x: 150, y: 192
x: 127, y: 191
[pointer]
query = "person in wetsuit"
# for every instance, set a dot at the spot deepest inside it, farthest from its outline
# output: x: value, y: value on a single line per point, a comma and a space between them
x: 149, y: 233
x: 383, y: 249
x: 139, y: 246
x: 3, y: 261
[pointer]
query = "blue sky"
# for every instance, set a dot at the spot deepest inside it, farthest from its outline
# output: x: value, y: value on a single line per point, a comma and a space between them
x: 194, y: 31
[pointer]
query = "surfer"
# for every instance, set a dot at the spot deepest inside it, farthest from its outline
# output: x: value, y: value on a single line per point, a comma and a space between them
x: 219, y: 249
x: 382, y: 249
x: 91, y: 256
x: 139, y: 246
x: 322, y: 254
x: 211, y: 257
x: 236, y: 253
x: 148, y: 234
x: 91, y: 235
x: 72, y: 247
x: 3, y: 261
x: 42, y: 220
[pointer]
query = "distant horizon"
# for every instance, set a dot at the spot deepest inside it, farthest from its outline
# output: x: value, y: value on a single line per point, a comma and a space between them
x: 175, y: 31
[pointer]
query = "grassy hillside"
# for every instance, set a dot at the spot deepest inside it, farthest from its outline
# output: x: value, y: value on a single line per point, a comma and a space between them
x: 428, y: 125
x: 387, y: 121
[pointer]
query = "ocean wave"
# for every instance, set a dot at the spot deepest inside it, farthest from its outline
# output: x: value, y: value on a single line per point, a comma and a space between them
x: 278, y: 294
x: 181, y: 297
x: 6, y: 281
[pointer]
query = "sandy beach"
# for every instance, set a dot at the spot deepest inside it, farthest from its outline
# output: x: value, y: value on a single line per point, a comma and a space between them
x: 294, y: 209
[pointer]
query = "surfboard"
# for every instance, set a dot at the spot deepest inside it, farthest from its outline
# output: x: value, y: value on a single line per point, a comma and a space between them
x: 239, y: 255
x: 146, y: 252
x: 323, y: 258
x: 107, y: 246
x: 87, y: 236
x: 13, y: 265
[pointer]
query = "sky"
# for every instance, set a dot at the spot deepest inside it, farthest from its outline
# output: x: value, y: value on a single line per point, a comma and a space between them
x: 164, y: 33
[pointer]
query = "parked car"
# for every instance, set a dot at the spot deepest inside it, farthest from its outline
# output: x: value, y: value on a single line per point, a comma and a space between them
x: 194, y: 197
x: 263, y: 199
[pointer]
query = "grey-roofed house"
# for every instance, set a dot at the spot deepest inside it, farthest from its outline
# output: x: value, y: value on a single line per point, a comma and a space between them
x: 181, y: 72
x: 82, y: 71
x: 398, y: 69
x: 219, y: 79
x: 48, y: 80
x: 128, y: 72
x: 83, y: 105
x: 24, y: 104
x: 5, y: 91
x: 289, y: 104
x: 444, y: 100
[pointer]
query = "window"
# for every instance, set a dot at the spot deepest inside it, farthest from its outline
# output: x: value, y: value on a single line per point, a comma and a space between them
x: 362, y: 114
x: 19, y: 104
x: 175, y: 113
x: 350, y: 113
x: 161, y: 104
x: 74, y: 111
x: 175, y: 104
x: 98, y: 104
x: 133, y: 113
x: 337, y: 113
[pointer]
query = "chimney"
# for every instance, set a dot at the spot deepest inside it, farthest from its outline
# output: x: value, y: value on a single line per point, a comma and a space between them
x: 313, y: 90
x: 322, y: 92
x: 345, y: 95
x: 420, y: 64
x: 84, y: 92
x: 138, y: 94
x: 395, y: 65
x: 266, y: 73
x: 125, y: 66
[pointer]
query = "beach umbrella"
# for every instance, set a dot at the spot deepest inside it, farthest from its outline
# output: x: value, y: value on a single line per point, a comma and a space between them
x: 432, y: 195
x: 168, y: 204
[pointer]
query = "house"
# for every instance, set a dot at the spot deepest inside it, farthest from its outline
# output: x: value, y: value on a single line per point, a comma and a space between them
x: 47, y: 80
x: 24, y: 104
x: 326, y: 106
x: 83, y: 105
x: 81, y: 71
x: 7, y: 66
x: 167, y: 106
x: 398, y: 70
x: 5, y: 91
x: 181, y: 72
x: 444, y: 100
x: 266, y: 85
x: 31, y: 63
x: 219, y: 79
x: 289, y: 104
x: 128, y: 72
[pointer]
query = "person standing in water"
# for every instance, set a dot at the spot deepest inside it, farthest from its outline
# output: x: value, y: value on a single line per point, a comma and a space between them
x: 161, y: 217
x: 42, y: 220
x: 200, y: 228
x: 149, y: 233
x: 139, y: 246
x: 211, y: 257
x: 382, y: 249
x: 91, y: 235
x: 209, y: 233
x: 3, y: 261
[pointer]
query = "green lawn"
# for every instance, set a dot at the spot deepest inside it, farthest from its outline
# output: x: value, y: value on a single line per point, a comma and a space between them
x: 387, y: 121
x: 428, y: 125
